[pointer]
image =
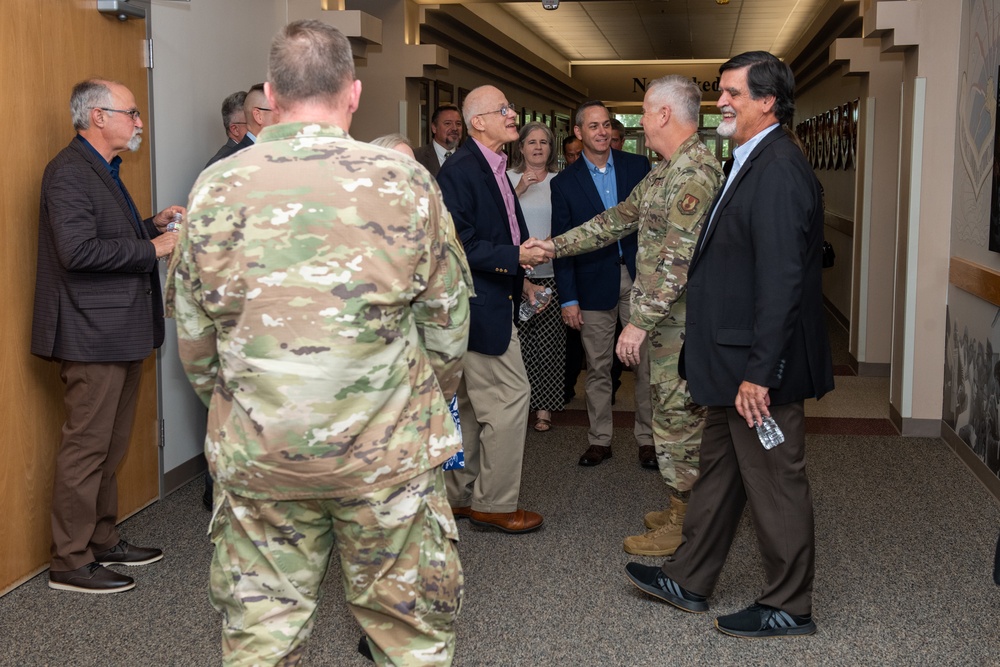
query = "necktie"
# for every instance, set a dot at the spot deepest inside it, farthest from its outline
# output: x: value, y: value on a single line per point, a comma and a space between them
x: 447, y: 154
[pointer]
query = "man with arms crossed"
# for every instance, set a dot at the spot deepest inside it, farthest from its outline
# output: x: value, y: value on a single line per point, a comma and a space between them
x: 755, y: 346
x: 326, y: 346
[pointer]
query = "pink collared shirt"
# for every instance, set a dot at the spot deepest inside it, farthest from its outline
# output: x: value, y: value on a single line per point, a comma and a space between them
x: 498, y: 164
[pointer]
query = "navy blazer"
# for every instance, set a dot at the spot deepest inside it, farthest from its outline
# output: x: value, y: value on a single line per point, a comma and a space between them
x: 593, y: 278
x: 754, y: 288
x: 473, y: 198
x: 97, y: 286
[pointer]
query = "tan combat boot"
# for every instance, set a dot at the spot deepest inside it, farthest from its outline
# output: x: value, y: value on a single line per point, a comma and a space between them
x: 654, y: 520
x: 662, y: 541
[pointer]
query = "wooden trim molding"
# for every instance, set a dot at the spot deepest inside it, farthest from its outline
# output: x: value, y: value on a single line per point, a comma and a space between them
x: 976, y: 279
x: 843, y: 225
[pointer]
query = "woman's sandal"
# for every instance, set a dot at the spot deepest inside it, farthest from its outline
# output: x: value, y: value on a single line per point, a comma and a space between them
x: 542, y: 425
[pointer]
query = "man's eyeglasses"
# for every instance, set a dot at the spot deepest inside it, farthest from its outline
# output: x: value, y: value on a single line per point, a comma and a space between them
x: 261, y: 108
x: 503, y: 111
x: 132, y: 113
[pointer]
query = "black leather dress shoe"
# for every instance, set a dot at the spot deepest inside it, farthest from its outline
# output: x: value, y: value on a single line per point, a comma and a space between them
x: 124, y: 553
x: 594, y: 455
x: 91, y: 578
x: 647, y: 457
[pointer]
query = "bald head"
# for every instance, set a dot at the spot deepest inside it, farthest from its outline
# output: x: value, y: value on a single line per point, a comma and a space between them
x: 490, y: 117
x: 477, y: 100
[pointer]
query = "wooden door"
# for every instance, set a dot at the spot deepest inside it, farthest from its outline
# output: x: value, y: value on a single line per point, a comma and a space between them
x: 45, y: 48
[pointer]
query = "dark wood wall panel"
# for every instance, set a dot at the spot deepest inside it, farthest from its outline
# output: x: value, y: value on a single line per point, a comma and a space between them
x: 45, y: 48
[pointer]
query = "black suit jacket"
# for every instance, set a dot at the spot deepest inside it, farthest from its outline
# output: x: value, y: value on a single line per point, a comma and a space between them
x: 473, y: 197
x: 426, y: 156
x: 97, y: 287
x: 593, y: 278
x: 228, y: 150
x: 755, y: 293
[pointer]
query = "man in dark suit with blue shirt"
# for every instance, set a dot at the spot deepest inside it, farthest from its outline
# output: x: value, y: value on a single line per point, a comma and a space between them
x: 755, y: 346
x: 99, y: 313
x: 595, y: 288
x: 494, y: 394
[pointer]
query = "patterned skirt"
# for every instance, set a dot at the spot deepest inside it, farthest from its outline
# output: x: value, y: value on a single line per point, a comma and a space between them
x: 543, y: 347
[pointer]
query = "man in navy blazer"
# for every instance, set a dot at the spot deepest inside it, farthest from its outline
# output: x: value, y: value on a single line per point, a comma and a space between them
x: 595, y: 288
x: 755, y: 347
x: 98, y: 311
x: 493, y: 397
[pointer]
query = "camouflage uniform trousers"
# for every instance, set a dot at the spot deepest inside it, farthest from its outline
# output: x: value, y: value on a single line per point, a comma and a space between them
x: 401, y: 572
x: 677, y: 421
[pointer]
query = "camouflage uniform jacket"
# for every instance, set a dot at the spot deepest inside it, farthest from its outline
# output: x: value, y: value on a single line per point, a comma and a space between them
x: 321, y: 299
x: 667, y: 207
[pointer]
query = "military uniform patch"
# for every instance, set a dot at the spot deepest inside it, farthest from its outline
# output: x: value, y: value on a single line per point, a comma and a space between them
x: 688, y: 205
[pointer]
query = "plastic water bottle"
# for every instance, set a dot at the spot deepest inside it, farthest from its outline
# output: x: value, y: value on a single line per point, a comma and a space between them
x: 527, y: 310
x: 769, y: 433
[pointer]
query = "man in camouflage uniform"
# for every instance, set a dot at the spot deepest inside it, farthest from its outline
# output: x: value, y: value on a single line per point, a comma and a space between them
x: 321, y: 299
x: 667, y: 207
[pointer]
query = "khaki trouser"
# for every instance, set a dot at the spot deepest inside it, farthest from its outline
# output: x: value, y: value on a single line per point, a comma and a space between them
x: 493, y: 400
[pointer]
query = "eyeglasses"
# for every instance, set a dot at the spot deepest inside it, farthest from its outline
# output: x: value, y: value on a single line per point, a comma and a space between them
x: 238, y: 122
x: 503, y: 111
x: 261, y: 108
x: 132, y: 113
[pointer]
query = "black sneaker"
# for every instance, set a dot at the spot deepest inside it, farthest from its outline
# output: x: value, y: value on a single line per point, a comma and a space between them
x: 124, y: 553
x: 649, y: 579
x: 759, y: 620
x: 91, y: 578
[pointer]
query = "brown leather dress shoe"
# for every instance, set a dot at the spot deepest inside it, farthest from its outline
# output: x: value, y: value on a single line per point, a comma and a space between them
x: 647, y: 457
x: 594, y: 455
x: 461, y: 512
x: 521, y: 521
x: 91, y: 578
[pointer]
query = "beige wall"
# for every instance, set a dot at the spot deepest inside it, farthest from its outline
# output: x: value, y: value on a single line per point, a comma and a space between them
x: 875, y: 209
x: 940, y: 26
x: 839, y: 186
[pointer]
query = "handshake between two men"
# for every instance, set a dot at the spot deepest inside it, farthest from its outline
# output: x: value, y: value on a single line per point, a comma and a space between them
x: 534, y: 252
x: 537, y: 251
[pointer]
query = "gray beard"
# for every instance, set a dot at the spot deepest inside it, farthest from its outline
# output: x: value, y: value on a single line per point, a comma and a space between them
x: 726, y: 128
x: 134, y: 142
